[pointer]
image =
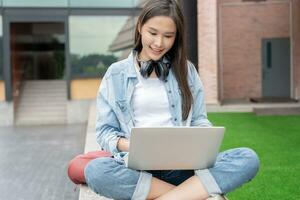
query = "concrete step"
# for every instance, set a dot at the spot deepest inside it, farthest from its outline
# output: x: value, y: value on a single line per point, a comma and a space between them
x: 37, y: 85
x: 44, y: 92
x: 42, y: 102
x: 44, y: 98
x: 50, y: 87
x: 24, y: 112
x: 50, y: 104
x: 45, y: 82
x: 39, y: 121
x: 42, y: 116
x: 42, y: 87
x: 48, y: 83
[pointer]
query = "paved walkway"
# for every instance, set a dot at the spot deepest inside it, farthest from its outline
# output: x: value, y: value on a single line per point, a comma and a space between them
x: 33, y: 161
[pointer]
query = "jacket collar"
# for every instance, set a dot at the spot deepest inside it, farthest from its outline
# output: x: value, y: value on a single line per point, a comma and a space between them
x: 131, y: 72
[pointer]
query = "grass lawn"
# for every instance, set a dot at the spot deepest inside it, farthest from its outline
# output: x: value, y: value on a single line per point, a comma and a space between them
x: 276, y: 140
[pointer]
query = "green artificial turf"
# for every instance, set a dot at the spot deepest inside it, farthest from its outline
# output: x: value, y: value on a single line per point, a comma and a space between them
x: 276, y: 140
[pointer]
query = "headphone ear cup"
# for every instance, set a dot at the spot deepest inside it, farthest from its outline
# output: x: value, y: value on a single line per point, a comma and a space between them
x: 146, y: 68
x: 158, y: 70
x: 162, y: 70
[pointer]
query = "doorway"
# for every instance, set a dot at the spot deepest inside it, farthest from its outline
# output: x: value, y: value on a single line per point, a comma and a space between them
x: 276, y: 78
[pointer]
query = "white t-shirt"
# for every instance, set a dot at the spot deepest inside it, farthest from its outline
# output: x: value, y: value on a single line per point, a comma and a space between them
x: 150, y: 102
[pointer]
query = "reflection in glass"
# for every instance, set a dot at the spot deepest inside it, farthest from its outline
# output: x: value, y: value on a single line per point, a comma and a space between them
x: 97, y: 42
x: 74, y: 3
x: 35, y: 3
x: 139, y: 3
x: 37, y: 50
x: 103, y: 3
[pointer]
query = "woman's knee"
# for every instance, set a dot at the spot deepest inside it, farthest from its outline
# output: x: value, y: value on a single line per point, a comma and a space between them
x: 96, y: 174
x: 110, y: 178
x: 250, y: 161
x: 235, y: 167
x: 244, y: 159
x: 253, y: 160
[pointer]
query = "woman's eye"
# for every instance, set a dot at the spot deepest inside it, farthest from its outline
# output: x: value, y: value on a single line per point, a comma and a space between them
x: 168, y: 36
x: 152, y: 33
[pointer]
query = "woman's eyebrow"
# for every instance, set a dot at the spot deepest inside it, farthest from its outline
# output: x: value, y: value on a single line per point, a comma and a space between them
x: 154, y: 29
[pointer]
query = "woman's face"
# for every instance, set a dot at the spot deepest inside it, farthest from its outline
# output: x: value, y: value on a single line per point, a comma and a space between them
x: 158, y: 35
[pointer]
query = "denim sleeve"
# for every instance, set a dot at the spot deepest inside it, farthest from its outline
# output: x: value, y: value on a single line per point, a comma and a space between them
x: 199, y: 116
x: 107, y: 124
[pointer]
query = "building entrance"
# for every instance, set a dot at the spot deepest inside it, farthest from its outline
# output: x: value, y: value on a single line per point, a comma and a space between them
x: 37, y: 50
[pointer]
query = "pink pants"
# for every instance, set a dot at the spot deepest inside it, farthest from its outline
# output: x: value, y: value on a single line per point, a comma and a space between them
x: 76, y: 165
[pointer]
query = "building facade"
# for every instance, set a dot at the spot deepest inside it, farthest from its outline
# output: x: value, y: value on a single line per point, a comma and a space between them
x: 249, y: 50
x: 243, y: 49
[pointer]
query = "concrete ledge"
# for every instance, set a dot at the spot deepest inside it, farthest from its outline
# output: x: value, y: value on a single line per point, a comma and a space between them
x: 78, y: 111
x: 249, y: 107
x: 278, y: 111
x: 90, y: 145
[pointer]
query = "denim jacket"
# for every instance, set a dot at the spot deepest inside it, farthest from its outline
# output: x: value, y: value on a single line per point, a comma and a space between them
x: 114, y: 102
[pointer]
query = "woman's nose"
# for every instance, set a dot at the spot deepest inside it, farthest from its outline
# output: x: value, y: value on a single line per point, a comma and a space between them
x: 158, y: 41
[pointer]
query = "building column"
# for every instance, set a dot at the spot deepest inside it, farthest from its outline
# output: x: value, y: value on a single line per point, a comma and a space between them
x: 208, y: 49
x: 190, y: 13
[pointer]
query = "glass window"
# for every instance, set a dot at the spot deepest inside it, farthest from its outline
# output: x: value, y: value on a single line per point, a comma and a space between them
x: 140, y: 3
x: 103, y: 3
x: 35, y: 3
x: 1, y: 54
x: 73, y: 3
x: 97, y: 42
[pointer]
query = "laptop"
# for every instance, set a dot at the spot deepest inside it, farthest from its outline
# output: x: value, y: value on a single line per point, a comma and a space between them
x: 174, y: 148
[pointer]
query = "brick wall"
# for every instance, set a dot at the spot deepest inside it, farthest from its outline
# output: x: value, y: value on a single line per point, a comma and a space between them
x: 242, y: 26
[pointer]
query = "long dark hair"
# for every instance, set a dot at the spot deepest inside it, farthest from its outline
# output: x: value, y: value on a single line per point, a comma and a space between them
x: 177, y: 53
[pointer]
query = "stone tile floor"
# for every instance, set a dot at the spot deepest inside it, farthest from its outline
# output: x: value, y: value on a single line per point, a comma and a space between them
x: 33, y: 161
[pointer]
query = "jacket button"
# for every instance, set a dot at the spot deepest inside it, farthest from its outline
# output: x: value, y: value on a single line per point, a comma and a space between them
x: 169, y: 91
x: 175, y: 119
x: 173, y: 105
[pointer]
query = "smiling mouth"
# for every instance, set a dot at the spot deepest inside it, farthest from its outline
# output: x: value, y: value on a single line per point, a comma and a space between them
x: 157, y: 52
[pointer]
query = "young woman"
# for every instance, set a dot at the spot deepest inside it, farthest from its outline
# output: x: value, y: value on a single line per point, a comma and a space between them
x: 157, y: 86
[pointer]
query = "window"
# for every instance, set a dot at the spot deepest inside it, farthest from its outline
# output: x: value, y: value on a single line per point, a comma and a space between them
x: 98, y: 41
x: 103, y: 3
x: 35, y: 3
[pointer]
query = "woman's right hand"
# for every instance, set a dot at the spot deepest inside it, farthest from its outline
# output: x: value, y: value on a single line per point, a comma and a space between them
x: 123, y: 144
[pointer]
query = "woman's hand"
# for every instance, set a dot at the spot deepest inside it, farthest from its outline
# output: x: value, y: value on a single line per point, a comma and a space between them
x: 123, y: 144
